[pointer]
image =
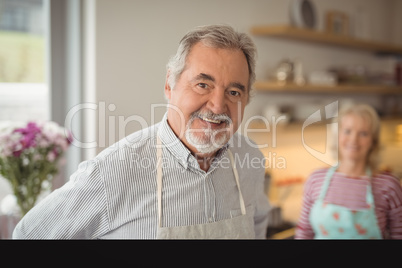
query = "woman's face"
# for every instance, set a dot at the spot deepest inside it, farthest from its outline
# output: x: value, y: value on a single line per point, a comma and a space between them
x: 355, y: 138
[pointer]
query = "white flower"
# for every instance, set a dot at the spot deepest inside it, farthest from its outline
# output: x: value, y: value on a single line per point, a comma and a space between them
x: 51, y: 156
x: 7, y: 127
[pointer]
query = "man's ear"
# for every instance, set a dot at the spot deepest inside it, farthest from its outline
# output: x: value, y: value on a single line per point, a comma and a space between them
x: 168, y: 90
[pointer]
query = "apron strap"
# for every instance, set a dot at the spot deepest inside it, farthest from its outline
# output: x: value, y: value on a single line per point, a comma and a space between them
x: 159, y: 179
x: 369, y: 193
x: 327, y: 181
x: 242, y: 206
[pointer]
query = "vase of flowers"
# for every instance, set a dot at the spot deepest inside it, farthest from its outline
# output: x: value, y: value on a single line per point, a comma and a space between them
x: 29, y: 156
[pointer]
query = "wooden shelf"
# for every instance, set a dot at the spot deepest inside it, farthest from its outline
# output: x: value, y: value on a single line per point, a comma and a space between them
x: 268, y: 86
x: 290, y: 32
x: 297, y: 125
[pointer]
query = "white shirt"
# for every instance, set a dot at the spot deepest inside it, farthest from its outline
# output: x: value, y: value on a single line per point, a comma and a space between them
x: 114, y: 195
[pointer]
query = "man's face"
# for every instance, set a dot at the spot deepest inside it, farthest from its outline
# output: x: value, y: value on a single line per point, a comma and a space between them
x: 209, y: 98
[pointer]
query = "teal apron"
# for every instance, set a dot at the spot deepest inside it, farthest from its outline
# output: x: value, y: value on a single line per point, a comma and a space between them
x: 330, y: 221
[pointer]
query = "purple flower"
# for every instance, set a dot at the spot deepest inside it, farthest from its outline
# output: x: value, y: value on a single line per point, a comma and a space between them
x: 29, y: 133
x: 45, y: 138
x: 17, y: 153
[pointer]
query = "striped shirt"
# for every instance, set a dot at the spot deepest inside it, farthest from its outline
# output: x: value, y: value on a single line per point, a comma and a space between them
x: 114, y: 195
x: 351, y: 193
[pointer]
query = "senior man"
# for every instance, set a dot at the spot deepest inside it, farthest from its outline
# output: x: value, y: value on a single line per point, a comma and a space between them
x: 198, y: 183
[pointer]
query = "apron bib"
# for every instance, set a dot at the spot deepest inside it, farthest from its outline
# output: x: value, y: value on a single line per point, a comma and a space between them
x: 239, y: 227
x: 330, y: 221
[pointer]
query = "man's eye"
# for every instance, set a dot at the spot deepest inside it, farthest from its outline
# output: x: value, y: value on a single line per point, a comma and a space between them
x: 202, y: 85
x: 234, y: 93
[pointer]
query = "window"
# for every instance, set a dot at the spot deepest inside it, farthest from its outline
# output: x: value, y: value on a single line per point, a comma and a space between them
x: 23, y: 90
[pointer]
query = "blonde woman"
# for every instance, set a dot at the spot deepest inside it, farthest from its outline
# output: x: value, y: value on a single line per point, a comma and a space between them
x: 353, y: 200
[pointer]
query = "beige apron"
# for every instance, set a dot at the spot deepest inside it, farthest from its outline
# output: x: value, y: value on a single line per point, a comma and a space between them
x: 238, y: 227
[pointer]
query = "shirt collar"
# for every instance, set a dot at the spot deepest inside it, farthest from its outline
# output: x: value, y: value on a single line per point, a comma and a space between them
x: 179, y: 150
x: 172, y: 143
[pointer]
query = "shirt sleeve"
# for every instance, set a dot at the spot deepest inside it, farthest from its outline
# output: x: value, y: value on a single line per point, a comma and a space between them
x: 394, y: 197
x: 303, y: 228
x: 77, y: 210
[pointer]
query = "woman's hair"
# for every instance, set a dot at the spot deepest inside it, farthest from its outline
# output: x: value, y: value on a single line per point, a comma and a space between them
x: 369, y: 115
x: 216, y: 36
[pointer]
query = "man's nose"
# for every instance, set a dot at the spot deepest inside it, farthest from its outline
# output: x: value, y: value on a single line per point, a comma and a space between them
x: 217, y: 102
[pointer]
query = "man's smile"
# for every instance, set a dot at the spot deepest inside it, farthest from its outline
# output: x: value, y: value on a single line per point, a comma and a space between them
x: 211, y: 120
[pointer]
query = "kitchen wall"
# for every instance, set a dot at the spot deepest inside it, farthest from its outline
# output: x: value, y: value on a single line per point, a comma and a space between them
x: 133, y: 41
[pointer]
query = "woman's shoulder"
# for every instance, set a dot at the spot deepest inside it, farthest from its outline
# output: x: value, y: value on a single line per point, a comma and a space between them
x: 317, y: 176
x: 387, y: 187
x: 318, y: 173
x: 387, y: 180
